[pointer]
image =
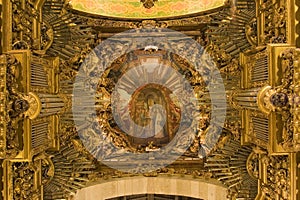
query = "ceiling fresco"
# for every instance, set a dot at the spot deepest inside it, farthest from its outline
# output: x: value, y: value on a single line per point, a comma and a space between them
x: 135, y: 9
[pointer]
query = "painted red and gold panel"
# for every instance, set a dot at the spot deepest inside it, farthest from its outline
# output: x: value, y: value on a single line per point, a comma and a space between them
x: 135, y: 9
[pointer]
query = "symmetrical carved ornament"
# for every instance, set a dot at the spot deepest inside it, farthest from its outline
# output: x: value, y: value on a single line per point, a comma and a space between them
x: 137, y: 104
x: 272, y: 20
x: 275, y: 179
x: 34, y: 105
x: 22, y: 181
x: 68, y: 38
x: 285, y: 98
x: 264, y: 99
x: 15, y: 105
x: 24, y: 14
x: 3, y: 98
x: 295, y: 109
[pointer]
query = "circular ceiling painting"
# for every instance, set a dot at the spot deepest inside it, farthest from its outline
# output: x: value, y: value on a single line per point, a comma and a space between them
x: 135, y: 9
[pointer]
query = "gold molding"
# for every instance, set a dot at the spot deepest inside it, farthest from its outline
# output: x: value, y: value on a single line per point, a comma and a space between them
x: 261, y: 101
x: 35, y: 105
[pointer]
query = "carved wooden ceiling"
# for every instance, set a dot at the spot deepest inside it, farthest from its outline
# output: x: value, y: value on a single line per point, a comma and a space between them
x: 49, y: 150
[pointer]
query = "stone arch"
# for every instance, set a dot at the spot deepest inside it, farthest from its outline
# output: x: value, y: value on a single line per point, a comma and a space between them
x: 196, y: 188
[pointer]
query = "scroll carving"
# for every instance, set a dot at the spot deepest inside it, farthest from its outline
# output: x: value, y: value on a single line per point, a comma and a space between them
x: 16, y: 106
x: 275, y: 15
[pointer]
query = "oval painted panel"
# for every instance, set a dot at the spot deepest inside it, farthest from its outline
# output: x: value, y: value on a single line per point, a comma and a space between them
x: 135, y: 9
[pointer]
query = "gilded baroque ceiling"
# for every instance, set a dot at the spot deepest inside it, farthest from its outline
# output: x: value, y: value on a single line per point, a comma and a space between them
x: 134, y: 9
x: 93, y: 92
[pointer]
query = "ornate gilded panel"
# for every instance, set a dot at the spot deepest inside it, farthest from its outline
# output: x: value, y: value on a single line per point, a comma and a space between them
x: 45, y: 43
x: 145, y: 9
